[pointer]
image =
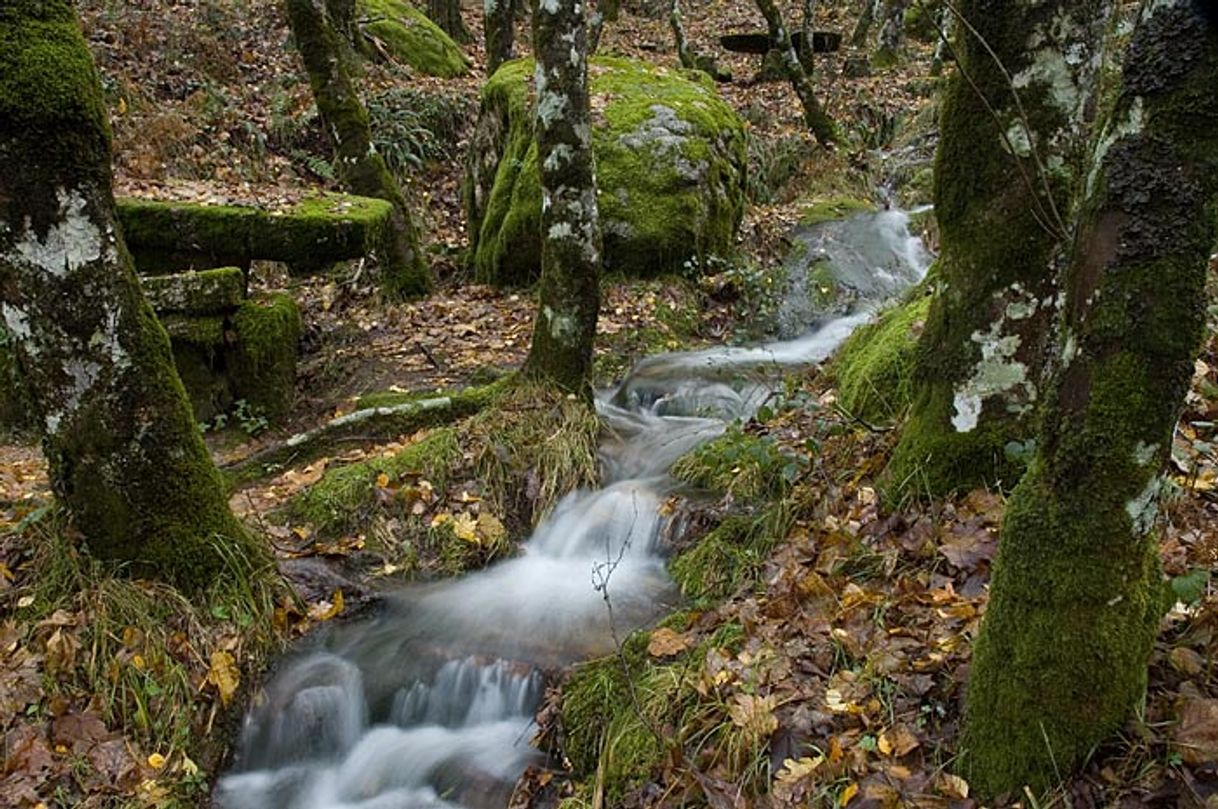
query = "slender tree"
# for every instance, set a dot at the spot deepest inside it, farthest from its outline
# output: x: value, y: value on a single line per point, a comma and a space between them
x: 892, y: 32
x: 125, y: 455
x: 1076, y: 595
x: 359, y: 166
x: 447, y: 15
x: 1008, y: 168
x: 499, y: 25
x: 862, y: 28
x: 569, y: 292
x: 815, y: 117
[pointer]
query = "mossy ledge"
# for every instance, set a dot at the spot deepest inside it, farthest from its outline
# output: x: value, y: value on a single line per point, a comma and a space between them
x: 307, y: 235
x: 670, y: 162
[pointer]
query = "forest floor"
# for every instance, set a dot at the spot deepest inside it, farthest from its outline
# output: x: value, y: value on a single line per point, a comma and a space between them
x: 856, y: 629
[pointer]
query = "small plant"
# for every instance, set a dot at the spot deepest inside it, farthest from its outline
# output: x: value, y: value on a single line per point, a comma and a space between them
x: 249, y: 418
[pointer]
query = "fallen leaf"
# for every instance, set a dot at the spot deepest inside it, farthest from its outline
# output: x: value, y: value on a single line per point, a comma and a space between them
x: 665, y: 643
x: 1196, y: 737
x: 223, y: 675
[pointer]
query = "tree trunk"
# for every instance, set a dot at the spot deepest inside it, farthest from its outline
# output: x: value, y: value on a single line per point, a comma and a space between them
x: 1076, y: 595
x: 569, y: 291
x: 1007, y: 173
x: 125, y: 455
x: 818, y: 122
x: 862, y: 28
x: 945, y: 23
x: 358, y: 165
x: 891, y: 32
x: 807, y: 55
x: 500, y: 29
x: 447, y: 15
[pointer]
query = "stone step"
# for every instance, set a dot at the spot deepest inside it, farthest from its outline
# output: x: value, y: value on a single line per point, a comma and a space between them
x: 205, y: 292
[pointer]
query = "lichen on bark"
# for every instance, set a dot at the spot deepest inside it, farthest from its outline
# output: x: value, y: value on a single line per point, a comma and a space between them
x: 124, y: 453
x: 1076, y: 595
x: 569, y: 292
x: 1008, y: 170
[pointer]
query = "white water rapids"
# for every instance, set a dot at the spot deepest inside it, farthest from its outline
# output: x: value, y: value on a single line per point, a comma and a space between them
x: 431, y: 703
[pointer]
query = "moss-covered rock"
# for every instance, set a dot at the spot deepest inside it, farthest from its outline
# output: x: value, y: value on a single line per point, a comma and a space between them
x: 874, y: 367
x: 835, y: 206
x: 409, y: 37
x: 307, y: 235
x: 262, y: 366
x: 202, y: 293
x: 670, y: 163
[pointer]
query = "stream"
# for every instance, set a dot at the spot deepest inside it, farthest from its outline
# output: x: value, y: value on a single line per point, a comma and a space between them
x: 430, y: 703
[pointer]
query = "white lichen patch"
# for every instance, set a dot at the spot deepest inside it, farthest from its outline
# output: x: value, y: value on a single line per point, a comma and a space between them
x: 1017, y: 141
x: 1144, y: 453
x: 17, y: 322
x: 561, y: 230
x: 551, y: 106
x: 564, y: 327
x: 997, y: 373
x: 549, y: 6
x: 1143, y: 509
x: 561, y: 154
x: 71, y: 243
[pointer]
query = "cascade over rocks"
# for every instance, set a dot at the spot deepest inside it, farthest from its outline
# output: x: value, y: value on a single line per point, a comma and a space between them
x: 670, y: 170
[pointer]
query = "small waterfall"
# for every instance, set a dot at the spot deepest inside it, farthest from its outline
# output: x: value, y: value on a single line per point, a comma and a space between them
x: 431, y: 703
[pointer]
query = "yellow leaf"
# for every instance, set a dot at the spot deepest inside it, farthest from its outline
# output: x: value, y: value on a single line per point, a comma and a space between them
x: 490, y: 528
x: 953, y: 786
x: 883, y: 744
x: 138, y: 662
x: 793, y: 770
x: 156, y: 761
x: 382, y: 480
x: 122, y: 106
x: 223, y: 675
x: 440, y: 519
x: 24, y: 602
x: 325, y: 610
x: 188, y: 766
x: 848, y: 794
x: 465, y: 527
x: 665, y: 642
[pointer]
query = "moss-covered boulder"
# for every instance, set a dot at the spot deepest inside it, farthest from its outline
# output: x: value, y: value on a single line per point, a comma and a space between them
x: 406, y: 35
x: 670, y: 165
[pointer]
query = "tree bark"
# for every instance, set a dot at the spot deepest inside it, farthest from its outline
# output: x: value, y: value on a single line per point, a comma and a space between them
x: 447, y: 15
x: 569, y: 291
x: 892, y: 32
x: 862, y: 28
x: 125, y: 455
x: 815, y: 117
x: 1076, y: 595
x: 359, y: 166
x: 807, y: 55
x: 1008, y: 170
x: 500, y: 30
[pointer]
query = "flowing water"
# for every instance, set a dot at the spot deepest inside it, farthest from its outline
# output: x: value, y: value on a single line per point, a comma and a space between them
x: 431, y: 703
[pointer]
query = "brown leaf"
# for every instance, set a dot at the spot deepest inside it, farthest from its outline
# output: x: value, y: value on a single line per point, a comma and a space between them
x: 665, y: 643
x: 1196, y: 737
x: 79, y: 731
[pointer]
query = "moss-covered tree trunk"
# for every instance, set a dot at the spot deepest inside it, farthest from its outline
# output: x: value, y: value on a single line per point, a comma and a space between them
x: 892, y: 32
x: 569, y: 292
x: 499, y: 30
x: 1007, y: 173
x: 447, y: 15
x: 124, y: 452
x: 817, y: 120
x: 359, y: 166
x: 807, y: 54
x: 1076, y: 596
x: 862, y: 28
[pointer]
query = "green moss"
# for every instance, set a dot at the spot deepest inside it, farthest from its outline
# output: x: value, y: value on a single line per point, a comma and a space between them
x: 747, y: 467
x: 345, y: 496
x: 670, y: 171
x: 827, y: 209
x: 210, y: 332
x: 874, y: 367
x: 262, y: 366
x: 48, y: 85
x: 412, y: 39
x: 727, y: 559
x: 310, y: 233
